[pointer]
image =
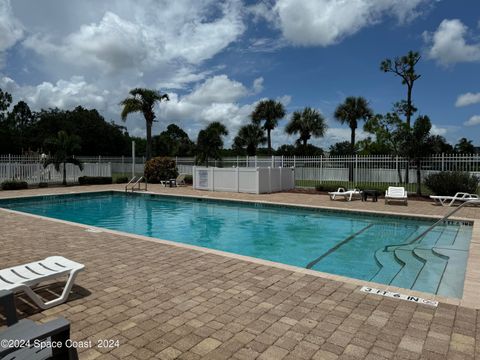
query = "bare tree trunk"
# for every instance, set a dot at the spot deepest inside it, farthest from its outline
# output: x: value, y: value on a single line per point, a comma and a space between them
x: 419, y: 177
x: 352, y: 151
x: 64, y: 182
x: 148, y: 152
x: 269, y: 142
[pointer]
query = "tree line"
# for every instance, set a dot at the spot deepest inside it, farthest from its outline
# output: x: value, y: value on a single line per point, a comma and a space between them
x: 394, y: 133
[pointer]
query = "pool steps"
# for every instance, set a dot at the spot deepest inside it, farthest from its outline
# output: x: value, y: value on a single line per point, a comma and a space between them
x: 434, y: 263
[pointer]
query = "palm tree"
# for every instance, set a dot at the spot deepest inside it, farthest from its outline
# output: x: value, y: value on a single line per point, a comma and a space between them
x: 268, y: 111
x: 210, y: 142
x: 350, y: 112
x: 249, y: 137
x: 143, y: 100
x: 465, y: 146
x: 306, y: 123
x: 62, y: 147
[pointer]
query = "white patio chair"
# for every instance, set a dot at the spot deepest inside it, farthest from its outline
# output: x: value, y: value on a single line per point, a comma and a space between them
x: 450, y: 200
x: 396, y: 193
x: 25, y: 277
x: 180, y: 180
x: 346, y: 194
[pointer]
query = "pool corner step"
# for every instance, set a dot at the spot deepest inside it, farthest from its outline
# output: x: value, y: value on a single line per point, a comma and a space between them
x: 430, y: 276
x: 390, y: 266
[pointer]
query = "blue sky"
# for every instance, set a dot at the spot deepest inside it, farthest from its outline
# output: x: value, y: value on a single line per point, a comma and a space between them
x: 216, y: 59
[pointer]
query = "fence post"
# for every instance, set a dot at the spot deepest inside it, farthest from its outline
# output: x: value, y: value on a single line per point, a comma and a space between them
x: 396, y: 168
x: 255, y: 160
x: 273, y: 161
x: 321, y: 169
x: 123, y: 167
x: 282, y: 161
x: 443, y: 161
x: 9, y: 172
x: 237, y: 162
x: 356, y: 168
x: 294, y: 161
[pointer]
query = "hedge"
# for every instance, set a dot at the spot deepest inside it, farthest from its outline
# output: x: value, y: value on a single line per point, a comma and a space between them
x: 14, y: 185
x: 94, y: 180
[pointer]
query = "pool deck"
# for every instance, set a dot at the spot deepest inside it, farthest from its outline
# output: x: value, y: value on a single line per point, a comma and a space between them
x: 167, y: 301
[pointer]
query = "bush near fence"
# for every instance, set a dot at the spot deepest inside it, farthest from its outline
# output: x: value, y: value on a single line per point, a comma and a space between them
x: 94, y: 180
x: 14, y: 185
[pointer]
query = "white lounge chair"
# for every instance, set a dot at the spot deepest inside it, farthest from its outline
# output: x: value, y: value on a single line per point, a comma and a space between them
x: 25, y: 277
x: 396, y: 193
x: 450, y: 200
x: 346, y: 194
x: 180, y: 180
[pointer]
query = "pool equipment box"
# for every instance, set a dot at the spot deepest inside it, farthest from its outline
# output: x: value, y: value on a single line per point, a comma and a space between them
x: 259, y: 180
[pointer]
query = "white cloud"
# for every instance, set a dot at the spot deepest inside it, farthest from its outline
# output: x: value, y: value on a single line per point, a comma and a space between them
x: 467, y: 99
x: 11, y: 30
x: 147, y: 37
x: 337, y: 134
x: 474, y: 120
x: 257, y: 85
x: 218, y: 89
x: 64, y: 94
x: 326, y: 22
x: 448, y: 44
x: 435, y: 130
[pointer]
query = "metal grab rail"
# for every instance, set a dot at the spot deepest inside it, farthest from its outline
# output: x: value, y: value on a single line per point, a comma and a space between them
x: 138, y: 182
x: 430, y: 228
x: 131, y: 180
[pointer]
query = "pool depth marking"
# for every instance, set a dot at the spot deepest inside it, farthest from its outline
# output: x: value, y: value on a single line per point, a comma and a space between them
x: 314, y: 262
x: 395, y: 295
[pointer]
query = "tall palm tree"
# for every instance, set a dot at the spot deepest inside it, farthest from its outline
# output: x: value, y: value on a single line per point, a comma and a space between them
x: 306, y: 123
x: 268, y: 111
x: 143, y: 100
x: 210, y: 142
x: 249, y: 137
x: 62, y: 147
x: 350, y: 112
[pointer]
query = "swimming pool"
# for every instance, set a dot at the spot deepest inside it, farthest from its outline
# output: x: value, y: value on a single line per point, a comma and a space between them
x: 375, y: 248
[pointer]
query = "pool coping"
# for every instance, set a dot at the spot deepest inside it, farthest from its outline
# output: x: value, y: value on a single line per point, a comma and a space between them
x: 471, y: 289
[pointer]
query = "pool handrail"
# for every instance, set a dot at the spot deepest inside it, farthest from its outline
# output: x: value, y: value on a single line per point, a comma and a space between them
x: 436, y: 223
x: 138, y: 182
x: 131, y: 180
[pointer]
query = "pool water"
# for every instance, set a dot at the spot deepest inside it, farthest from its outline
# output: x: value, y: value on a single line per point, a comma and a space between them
x: 367, y: 247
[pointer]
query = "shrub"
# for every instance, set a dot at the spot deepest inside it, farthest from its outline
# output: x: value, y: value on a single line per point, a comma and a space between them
x: 328, y: 187
x: 160, y: 168
x: 189, y: 179
x: 121, y: 180
x: 14, y: 185
x: 94, y: 180
x: 43, y: 185
x: 451, y: 182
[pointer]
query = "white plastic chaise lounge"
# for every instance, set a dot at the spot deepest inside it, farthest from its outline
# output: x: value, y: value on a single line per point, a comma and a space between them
x: 180, y: 180
x: 25, y: 277
x: 346, y: 194
x: 396, y: 193
x: 450, y: 200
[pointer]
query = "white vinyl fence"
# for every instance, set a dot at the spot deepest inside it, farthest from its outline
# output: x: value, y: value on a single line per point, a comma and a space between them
x: 359, y: 170
x: 31, y: 170
x: 309, y: 170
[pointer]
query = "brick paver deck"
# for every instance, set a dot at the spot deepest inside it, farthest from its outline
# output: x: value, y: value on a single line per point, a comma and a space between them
x: 165, y: 302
